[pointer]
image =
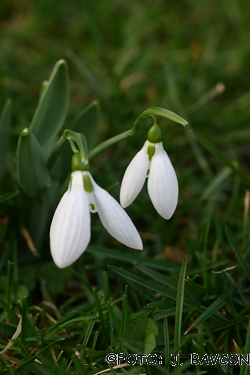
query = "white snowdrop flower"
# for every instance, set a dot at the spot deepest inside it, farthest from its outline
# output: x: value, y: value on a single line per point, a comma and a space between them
x: 70, y: 227
x: 153, y: 162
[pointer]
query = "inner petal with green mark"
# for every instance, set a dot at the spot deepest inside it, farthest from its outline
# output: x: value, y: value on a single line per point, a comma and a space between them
x: 89, y: 189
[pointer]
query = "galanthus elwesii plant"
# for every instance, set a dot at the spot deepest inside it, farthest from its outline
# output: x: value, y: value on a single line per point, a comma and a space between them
x: 70, y: 227
x: 42, y: 167
x: 153, y: 162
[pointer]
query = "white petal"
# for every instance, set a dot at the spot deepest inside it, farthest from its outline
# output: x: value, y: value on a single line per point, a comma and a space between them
x: 162, y: 183
x: 70, y: 227
x: 115, y: 219
x: 134, y: 177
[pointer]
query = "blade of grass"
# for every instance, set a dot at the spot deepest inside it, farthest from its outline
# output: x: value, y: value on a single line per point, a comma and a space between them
x: 24, y: 319
x: 78, y: 365
x: 9, y: 311
x: 166, y: 341
x: 32, y: 359
x: 114, y: 318
x: 244, y: 368
x: 157, y: 276
x: 10, y: 272
x: 89, y: 330
x: 8, y: 366
x: 219, y: 155
x: 124, y: 322
x: 179, y: 309
x: 131, y: 258
x: 216, y: 305
x: 148, y: 284
x: 100, y: 312
x: 237, y: 253
x: 204, y: 260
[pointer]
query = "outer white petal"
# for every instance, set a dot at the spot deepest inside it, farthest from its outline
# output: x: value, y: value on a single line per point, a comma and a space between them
x: 70, y: 227
x: 134, y: 177
x: 115, y: 219
x: 162, y: 183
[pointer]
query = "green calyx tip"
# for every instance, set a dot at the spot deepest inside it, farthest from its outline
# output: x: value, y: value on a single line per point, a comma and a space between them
x: 154, y: 134
x: 87, y: 184
x: 77, y: 164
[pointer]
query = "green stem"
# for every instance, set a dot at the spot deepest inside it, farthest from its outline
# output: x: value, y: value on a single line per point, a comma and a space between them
x: 110, y: 142
x: 138, y: 122
x: 120, y: 137
x: 80, y: 140
x: 150, y: 112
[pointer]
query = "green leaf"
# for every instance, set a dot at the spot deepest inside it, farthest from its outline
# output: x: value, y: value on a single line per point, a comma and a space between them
x: 5, y: 121
x: 149, y: 344
x: 59, y: 162
x: 87, y: 121
x: 142, y: 337
x: 146, y: 325
x: 32, y: 173
x: 133, y: 340
x: 52, y: 106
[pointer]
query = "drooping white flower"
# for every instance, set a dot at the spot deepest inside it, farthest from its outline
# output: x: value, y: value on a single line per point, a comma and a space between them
x: 70, y: 227
x: 162, y: 180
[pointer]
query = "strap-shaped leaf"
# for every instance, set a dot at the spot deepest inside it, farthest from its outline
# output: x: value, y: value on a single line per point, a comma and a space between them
x: 87, y: 121
x: 59, y: 161
x: 32, y: 173
x: 5, y: 121
x: 53, y: 104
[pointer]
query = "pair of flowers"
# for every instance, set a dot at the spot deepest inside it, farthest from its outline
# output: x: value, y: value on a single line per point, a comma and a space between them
x: 70, y: 227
